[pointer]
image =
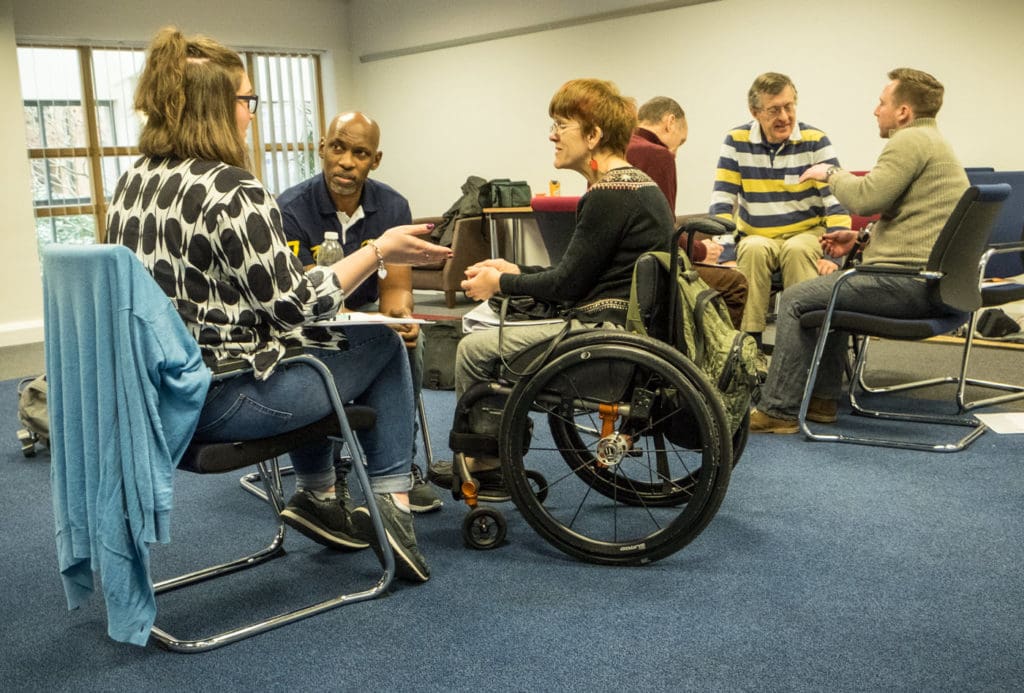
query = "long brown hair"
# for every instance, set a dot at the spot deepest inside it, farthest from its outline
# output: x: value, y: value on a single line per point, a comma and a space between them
x: 187, y: 94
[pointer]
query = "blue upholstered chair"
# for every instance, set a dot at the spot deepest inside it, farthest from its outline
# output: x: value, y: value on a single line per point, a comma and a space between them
x: 1004, y: 259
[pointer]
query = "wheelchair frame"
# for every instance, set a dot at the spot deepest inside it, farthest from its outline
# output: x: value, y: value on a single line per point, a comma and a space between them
x: 640, y: 453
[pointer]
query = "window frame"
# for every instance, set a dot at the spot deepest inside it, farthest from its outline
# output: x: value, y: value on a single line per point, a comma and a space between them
x: 95, y: 153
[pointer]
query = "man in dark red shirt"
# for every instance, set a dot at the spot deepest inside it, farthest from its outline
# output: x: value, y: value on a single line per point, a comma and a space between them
x: 661, y: 132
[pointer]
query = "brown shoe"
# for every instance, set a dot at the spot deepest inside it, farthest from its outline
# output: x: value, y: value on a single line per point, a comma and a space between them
x: 821, y: 410
x: 762, y: 423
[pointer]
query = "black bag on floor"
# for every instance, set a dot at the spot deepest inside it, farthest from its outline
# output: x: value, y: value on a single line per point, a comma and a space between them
x: 440, y: 342
x: 994, y: 322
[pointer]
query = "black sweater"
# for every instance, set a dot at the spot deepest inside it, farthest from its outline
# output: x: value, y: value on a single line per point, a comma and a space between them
x: 621, y: 217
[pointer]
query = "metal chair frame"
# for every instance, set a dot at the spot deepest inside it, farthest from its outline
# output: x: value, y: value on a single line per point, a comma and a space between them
x: 960, y: 270
x: 270, y: 473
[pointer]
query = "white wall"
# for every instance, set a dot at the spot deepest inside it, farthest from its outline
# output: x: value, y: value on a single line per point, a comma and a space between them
x: 20, y: 298
x: 482, y: 108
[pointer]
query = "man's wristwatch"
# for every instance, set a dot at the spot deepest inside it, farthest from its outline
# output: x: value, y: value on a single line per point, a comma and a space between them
x: 830, y: 170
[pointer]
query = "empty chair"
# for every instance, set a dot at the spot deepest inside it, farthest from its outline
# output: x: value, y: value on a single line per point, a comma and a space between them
x: 1003, y: 260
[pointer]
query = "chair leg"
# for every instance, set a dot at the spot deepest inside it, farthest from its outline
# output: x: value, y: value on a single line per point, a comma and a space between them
x: 977, y: 428
x: 428, y: 451
x: 1013, y: 392
x: 272, y: 480
x: 253, y: 482
x: 449, y: 298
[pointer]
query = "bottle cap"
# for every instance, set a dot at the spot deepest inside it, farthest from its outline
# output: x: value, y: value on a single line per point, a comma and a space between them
x: 330, y: 235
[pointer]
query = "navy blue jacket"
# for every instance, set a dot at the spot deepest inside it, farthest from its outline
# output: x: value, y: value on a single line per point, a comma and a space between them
x: 307, y: 211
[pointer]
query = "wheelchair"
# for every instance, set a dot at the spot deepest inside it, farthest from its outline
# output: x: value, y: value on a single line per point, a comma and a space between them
x: 614, y: 447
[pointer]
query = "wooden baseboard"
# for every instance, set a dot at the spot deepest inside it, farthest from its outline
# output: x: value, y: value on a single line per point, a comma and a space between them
x: 950, y: 339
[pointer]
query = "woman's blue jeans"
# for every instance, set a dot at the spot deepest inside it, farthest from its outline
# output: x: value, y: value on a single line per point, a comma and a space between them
x: 373, y: 371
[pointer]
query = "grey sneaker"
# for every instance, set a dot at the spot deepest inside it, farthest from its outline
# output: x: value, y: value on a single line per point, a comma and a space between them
x: 410, y: 564
x: 422, y: 496
x: 326, y: 522
x: 344, y: 495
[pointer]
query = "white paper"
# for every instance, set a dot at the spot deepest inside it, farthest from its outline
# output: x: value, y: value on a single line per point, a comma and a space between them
x: 1009, y: 422
x: 483, y: 317
x: 356, y: 318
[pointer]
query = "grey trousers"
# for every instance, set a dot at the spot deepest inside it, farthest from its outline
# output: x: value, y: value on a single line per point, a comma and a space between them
x: 479, y: 360
x: 889, y: 296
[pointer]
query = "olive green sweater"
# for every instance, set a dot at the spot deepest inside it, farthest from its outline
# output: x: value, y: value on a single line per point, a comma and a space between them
x: 914, y: 185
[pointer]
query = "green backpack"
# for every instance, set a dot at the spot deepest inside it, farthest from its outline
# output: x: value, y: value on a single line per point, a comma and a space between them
x: 704, y: 332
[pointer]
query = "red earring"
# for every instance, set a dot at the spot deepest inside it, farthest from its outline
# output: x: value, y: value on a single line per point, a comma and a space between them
x: 593, y: 164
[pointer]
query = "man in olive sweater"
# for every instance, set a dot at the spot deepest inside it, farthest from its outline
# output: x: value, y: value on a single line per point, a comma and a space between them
x: 915, y: 185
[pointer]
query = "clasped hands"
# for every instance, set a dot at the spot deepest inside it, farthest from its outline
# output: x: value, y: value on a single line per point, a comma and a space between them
x: 483, y: 279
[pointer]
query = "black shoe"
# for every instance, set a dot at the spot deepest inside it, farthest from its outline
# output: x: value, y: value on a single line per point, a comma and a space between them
x: 422, y: 497
x: 324, y: 521
x: 410, y: 564
x: 492, y: 486
x: 440, y: 474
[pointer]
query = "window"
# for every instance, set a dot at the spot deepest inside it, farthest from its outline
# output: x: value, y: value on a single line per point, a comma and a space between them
x: 83, y: 132
x: 290, y: 120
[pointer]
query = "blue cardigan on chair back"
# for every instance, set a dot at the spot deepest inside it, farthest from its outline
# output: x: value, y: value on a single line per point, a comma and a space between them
x: 126, y: 386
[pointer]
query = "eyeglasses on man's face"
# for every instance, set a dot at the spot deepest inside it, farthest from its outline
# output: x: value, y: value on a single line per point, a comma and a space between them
x: 252, y: 101
x: 776, y: 111
x: 558, y: 127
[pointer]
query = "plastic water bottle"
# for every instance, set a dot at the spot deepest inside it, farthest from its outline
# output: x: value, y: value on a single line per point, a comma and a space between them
x: 330, y: 250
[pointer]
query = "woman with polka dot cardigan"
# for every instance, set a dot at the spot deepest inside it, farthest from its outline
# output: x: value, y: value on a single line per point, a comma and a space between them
x: 211, y: 236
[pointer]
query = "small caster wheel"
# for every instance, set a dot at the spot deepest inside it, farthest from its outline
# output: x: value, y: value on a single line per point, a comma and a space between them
x: 483, y: 528
x: 538, y: 484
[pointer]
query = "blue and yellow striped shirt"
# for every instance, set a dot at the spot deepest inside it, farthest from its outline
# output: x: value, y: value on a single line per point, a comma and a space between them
x: 756, y: 184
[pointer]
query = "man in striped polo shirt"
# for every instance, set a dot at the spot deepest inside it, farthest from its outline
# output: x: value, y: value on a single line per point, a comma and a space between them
x: 757, y: 184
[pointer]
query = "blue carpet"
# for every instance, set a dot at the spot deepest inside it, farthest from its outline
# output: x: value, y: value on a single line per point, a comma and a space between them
x: 827, y: 567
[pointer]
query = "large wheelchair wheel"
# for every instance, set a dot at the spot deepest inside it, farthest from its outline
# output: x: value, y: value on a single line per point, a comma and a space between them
x: 660, y: 489
x: 621, y: 488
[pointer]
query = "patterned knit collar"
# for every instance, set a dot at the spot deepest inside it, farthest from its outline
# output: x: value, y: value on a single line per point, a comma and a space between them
x: 623, y: 175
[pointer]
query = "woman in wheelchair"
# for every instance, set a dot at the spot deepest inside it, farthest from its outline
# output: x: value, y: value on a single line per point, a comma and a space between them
x: 211, y: 235
x: 622, y: 215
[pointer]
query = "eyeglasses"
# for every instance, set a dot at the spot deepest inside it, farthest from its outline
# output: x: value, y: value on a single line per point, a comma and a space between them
x: 558, y: 128
x: 776, y: 111
x: 252, y: 101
